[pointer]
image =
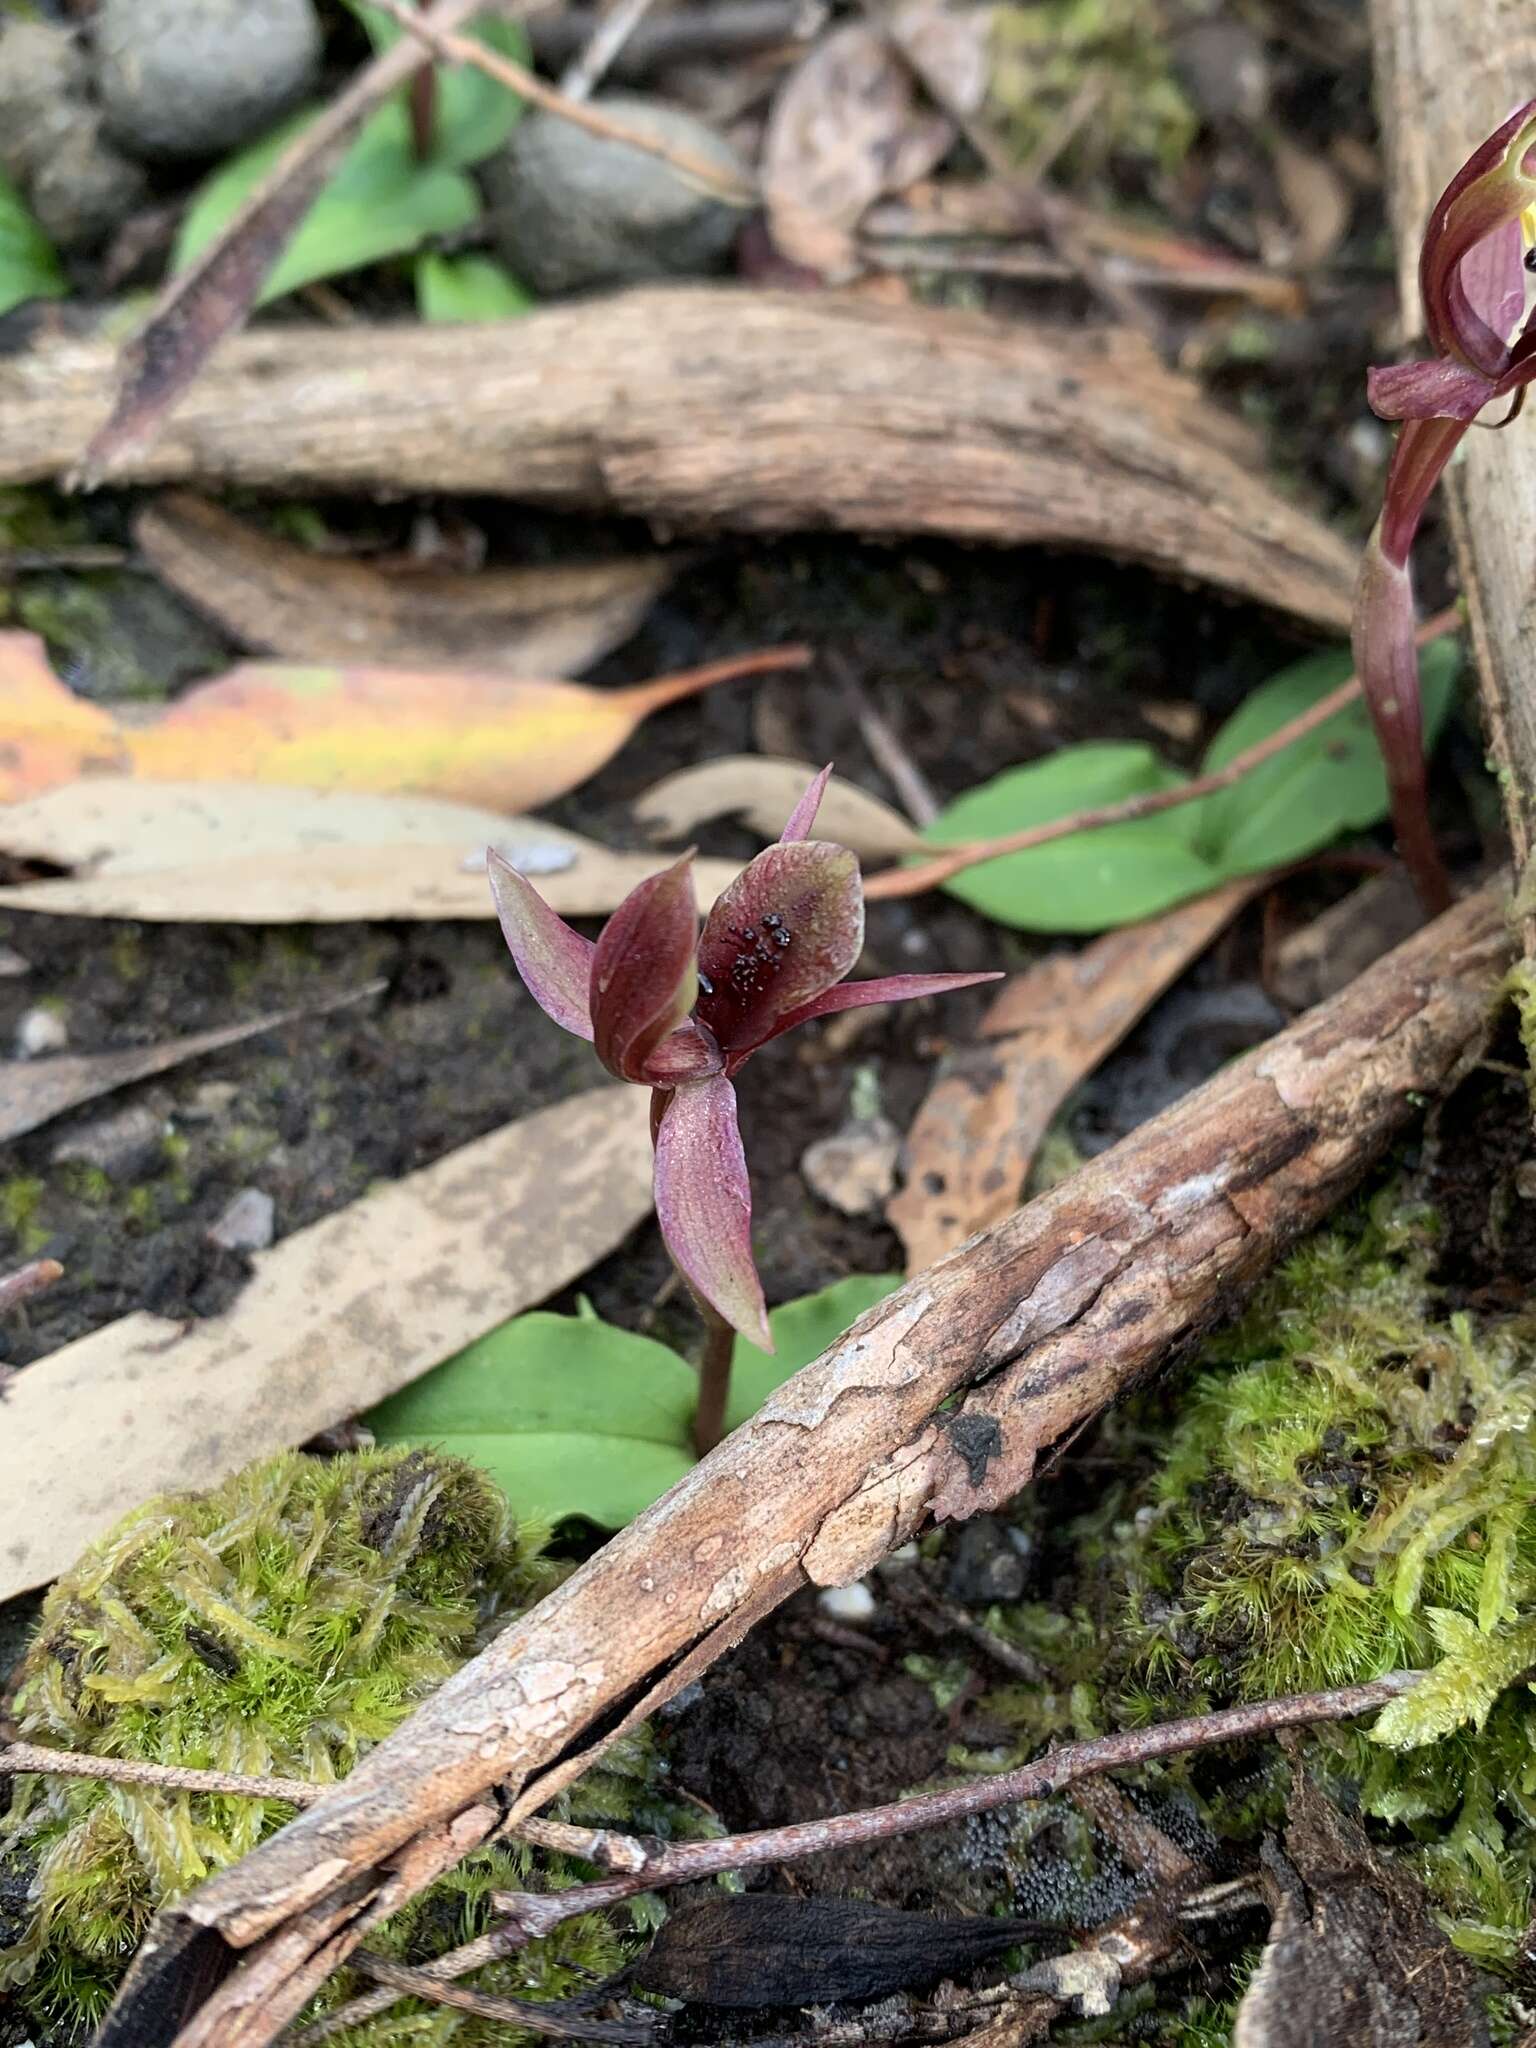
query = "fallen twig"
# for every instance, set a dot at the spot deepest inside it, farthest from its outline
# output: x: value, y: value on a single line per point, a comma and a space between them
x: 691, y: 35
x: 433, y: 32
x: 215, y: 294
x: 954, y: 860
x: 803, y: 411
x: 17, y: 1757
x: 1035, y: 1324
x: 610, y: 32
x: 27, y: 1280
x: 557, y: 2021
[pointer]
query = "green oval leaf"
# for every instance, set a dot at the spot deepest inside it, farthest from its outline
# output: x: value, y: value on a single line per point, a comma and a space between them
x: 29, y: 269
x: 1089, y: 881
x: 457, y: 289
x: 380, y: 202
x: 474, y: 114
x: 1329, y: 782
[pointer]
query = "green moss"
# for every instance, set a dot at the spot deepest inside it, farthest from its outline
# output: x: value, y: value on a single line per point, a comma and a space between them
x: 20, y: 1200
x: 1345, y: 1489
x: 1045, y: 55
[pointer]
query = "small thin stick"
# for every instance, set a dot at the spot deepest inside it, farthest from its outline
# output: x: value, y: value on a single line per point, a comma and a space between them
x: 16, y: 1757
x: 931, y: 874
x: 454, y: 49
x: 27, y: 1280
x: 890, y: 756
x: 613, y: 31
x: 714, y: 1380
x: 560, y: 2024
x: 685, y: 1862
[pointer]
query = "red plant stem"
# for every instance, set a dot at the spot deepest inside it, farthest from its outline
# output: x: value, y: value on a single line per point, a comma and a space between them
x: 714, y: 1380
x: 929, y: 874
x: 27, y: 1280
x: 423, y: 105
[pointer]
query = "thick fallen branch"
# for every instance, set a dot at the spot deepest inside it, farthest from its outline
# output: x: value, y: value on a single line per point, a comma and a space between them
x: 1047, y: 1316
x: 701, y: 406
x: 1446, y: 78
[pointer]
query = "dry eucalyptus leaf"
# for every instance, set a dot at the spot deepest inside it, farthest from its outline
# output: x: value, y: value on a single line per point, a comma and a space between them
x: 550, y: 619
x: 248, y: 853
x: 971, y: 1145
x: 762, y: 791
x: 33, y: 1092
x: 847, y: 126
x: 335, y: 1317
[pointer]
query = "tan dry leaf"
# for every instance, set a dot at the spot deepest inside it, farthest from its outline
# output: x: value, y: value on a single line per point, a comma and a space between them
x: 249, y: 853
x: 762, y: 790
x: 974, y: 1138
x: 336, y: 1316
x: 545, y: 620
x: 846, y: 127
x: 33, y: 1092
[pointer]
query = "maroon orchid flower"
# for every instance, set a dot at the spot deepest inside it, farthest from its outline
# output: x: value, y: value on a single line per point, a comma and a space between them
x: 1472, y: 276
x: 683, y: 1011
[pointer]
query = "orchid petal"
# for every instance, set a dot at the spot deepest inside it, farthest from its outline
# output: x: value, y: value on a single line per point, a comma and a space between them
x: 789, y: 926
x: 704, y: 1204
x: 1491, y: 279
x: 643, y: 981
x: 1490, y: 191
x: 1439, y: 390
x: 554, y: 962
x: 889, y: 988
x: 803, y: 816
x: 687, y: 1054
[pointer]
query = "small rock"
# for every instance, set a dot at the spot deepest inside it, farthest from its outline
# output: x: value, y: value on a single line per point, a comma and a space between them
x: 196, y: 78
x: 40, y: 1031
x: 43, y: 79
x: 210, y: 1100
x: 575, y: 212
x: 853, y: 1604
x: 12, y: 964
x: 854, y: 1169
x: 125, y: 1145
x: 1086, y: 1974
x: 86, y: 189
x: 248, y: 1224
x: 985, y: 1568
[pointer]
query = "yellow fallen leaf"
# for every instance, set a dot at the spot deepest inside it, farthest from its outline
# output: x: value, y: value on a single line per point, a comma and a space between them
x: 473, y: 734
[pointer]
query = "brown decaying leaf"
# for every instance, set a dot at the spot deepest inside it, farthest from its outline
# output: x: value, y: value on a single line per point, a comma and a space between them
x: 762, y: 790
x: 970, y: 1148
x: 33, y: 1092
x: 846, y: 127
x: 215, y: 294
x: 250, y: 853
x: 802, y: 410
x: 475, y: 734
x: 552, y: 619
x: 336, y: 1316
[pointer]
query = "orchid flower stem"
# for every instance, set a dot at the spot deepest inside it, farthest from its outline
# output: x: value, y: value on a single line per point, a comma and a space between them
x: 714, y: 1380
x: 423, y: 105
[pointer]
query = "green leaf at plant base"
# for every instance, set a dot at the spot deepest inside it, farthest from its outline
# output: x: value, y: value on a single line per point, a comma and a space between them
x: 29, y: 269
x: 573, y: 1417
x: 569, y: 1415
x: 474, y: 114
x: 802, y: 1330
x: 1089, y: 881
x: 453, y: 289
x: 380, y: 202
x: 1330, y: 782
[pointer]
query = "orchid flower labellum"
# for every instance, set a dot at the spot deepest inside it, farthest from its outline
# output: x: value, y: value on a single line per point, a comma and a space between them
x: 1473, y: 276
x: 681, y: 1011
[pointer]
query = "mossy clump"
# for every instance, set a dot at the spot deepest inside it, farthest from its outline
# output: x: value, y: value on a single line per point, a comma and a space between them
x: 279, y: 1625
x: 1346, y: 1488
x: 1045, y: 54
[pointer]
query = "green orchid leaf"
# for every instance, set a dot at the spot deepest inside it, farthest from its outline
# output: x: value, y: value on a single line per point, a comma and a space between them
x: 1089, y: 881
x: 474, y: 113
x: 573, y: 1417
x: 29, y: 269
x: 459, y: 289
x: 379, y: 203
x: 569, y: 1415
x: 802, y: 1330
x: 1329, y: 782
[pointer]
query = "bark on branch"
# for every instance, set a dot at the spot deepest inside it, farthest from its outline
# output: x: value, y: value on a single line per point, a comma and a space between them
x: 1044, y: 1318
x: 705, y: 407
x: 1447, y: 76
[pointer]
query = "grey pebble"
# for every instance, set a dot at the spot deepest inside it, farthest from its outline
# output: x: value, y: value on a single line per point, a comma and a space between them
x: 248, y: 1224
x: 985, y: 1568
x: 124, y: 1145
x: 86, y: 189
x: 197, y: 78
x: 577, y: 212
x: 51, y: 142
x: 40, y: 1031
